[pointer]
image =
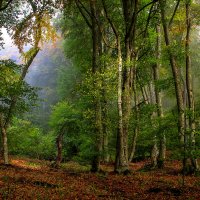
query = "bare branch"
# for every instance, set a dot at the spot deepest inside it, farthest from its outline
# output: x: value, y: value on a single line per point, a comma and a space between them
x: 141, y: 9
x: 84, y: 8
x: 106, y: 42
x: 148, y: 20
x: 109, y: 20
x: 83, y: 14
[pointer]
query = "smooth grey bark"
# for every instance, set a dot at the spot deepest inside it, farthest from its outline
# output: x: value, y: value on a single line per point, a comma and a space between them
x: 136, y: 110
x: 154, y: 153
x: 191, y: 105
x: 121, y: 161
x: 158, y: 99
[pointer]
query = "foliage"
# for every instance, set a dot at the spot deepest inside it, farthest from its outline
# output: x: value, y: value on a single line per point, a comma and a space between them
x: 25, y: 139
x: 12, y: 86
x: 65, y: 119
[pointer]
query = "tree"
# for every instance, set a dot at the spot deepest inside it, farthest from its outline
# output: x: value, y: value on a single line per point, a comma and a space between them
x: 35, y: 28
x: 12, y: 86
x: 190, y: 95
x: 176, y: 74
x: 65, y: 121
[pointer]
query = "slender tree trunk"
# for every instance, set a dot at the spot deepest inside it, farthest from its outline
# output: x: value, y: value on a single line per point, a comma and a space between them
x: 104, y: 104
x: 5, y: 145
x: 136, y: 110
x: 59, y: 142
x: 121, y: 161
x: 176, y: 75
x: 151, y: 94
x: 136, y: 129
x: 154, y: 153
x: 162, y: 138
x: 124, y: 81
x: 191, y: 105
x: 97, y: 102
x: 4, y: 140
x: 93, y: 24
x: 177, y: 82
x: 105, y: 129
x: 156, y: 72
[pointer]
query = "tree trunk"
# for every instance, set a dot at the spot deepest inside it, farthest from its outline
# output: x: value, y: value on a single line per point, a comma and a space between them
x: 154, y: 154
x: 105, y: 130
x: 121, y: 161
x: 162, y: 138
x: 191, y: 105
x: 5, y: 145
x: 4, y: 140
x: 1, y: 2
x: 105, y: 141
x: 125, y: 81
x: 59, y: 142
x: 136, y: 110
x: 97, y: 103
x: 177, y: 82
x: 104, y: 123
x: 136, y: 132
x: 176, y: 76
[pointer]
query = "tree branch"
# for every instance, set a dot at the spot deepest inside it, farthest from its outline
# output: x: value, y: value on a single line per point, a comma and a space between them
x: 141, y: 9
x: 133, y: 21
x: 83, y: 14
x: 174, y: 13
x: 84, y: 8
x: 148, y: 20
x: 15, y: 98
x: 109, y: 20
x: 106, y: 42
x: 33, y: 5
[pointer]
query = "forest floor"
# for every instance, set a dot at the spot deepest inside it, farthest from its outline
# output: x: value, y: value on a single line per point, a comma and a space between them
x: 35, y: 179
